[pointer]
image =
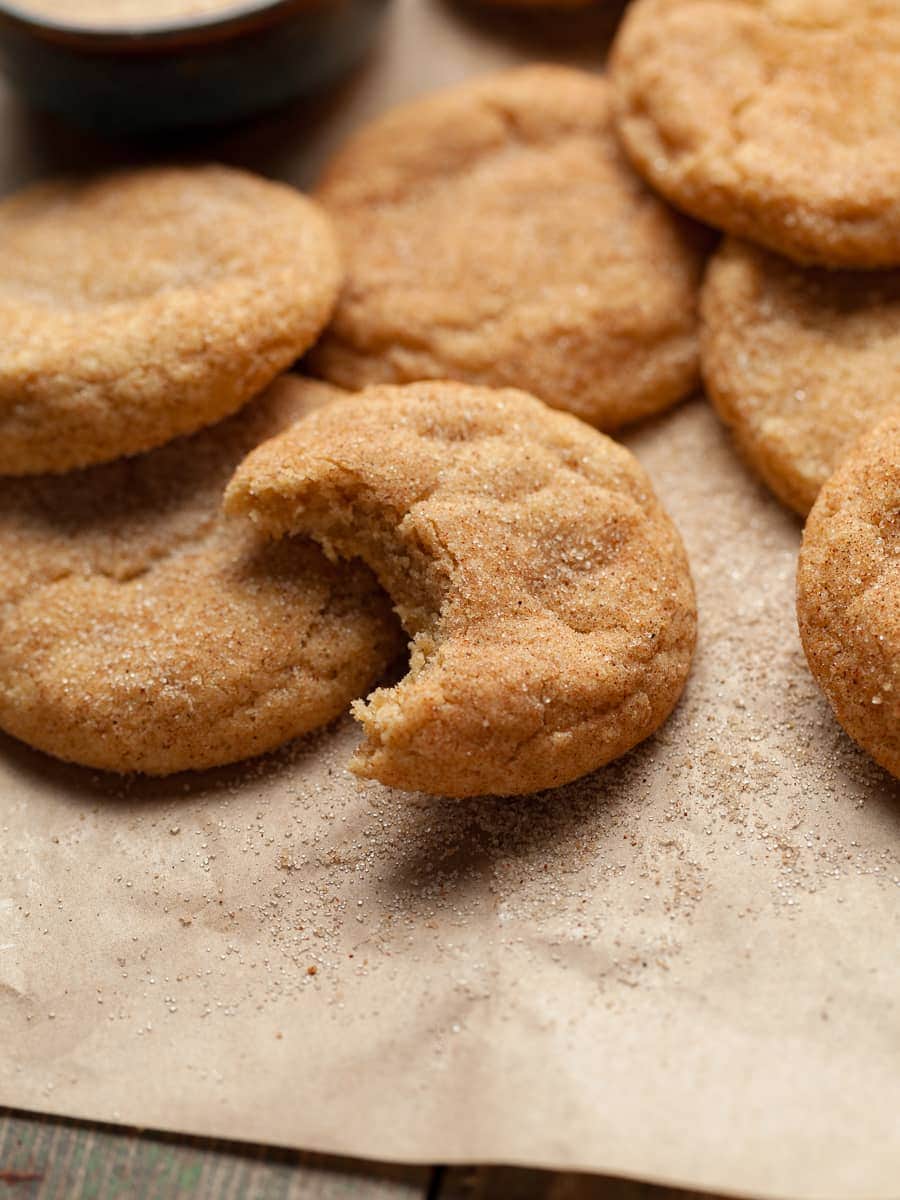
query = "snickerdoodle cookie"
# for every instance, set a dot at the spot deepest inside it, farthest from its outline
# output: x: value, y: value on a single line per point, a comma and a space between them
x: 139, y: 631
x: 799, y: 362
x: 775, y: 120
x: 495, y: 234
x: 142, y: 305
x: 848, y: 594
x: 546, y: 592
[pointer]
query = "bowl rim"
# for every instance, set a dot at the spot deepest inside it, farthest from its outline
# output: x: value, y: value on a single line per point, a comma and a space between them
x: 235, y: 17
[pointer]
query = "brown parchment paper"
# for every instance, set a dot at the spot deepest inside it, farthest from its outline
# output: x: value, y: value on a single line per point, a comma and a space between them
x: 684, y: 968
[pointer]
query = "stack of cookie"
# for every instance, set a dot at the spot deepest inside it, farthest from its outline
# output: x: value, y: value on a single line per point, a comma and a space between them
x: 138, y: 630
x: 778, y: 122
x: 514, y: 282
x: 496, y: 236
x: 546, y: 592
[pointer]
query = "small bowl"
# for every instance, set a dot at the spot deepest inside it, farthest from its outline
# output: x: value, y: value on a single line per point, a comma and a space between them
x: 195, y: 71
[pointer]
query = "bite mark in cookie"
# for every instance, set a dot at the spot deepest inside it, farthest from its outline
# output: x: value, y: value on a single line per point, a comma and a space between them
x: 139, y: 631
x: 546, y: 592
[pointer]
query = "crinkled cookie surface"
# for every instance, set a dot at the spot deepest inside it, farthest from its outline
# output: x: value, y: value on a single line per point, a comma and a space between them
x: 140, y: 631
x: 848, y: 596
x: 142, y: 305
x: 775, y: 120
x: 495, y: 234
x: 547, y: 594
x: 799, y: 362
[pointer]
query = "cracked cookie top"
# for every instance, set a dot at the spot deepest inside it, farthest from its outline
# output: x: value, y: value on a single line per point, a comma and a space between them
x: 141, y: 632
x: 546, y: 592
x: 775, y: 120
x: 848, y: 593
x: 495, y: 234
x: 142, y: 305
x: 799, y: 362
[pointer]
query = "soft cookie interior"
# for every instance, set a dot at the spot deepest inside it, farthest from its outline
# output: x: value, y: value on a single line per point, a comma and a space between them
x: 546, y: 593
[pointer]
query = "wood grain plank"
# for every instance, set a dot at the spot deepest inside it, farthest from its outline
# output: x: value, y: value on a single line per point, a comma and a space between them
x: 513, y: 1183
x: 46, y: 1159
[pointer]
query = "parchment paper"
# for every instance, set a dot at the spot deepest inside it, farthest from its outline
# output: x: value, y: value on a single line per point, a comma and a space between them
x: 683, y: 968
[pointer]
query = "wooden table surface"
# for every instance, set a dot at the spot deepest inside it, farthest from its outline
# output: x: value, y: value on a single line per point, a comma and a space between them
x: 42, y: 1158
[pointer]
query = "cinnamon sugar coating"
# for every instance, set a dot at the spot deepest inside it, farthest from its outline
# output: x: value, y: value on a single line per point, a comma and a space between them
x: 848, y: 593
x: 142, y: 305
x: 495, y: 234
x: 139, y: 631
x: 546, y: 592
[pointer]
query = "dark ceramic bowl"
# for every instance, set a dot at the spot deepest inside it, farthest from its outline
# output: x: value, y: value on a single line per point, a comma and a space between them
x: 197, y: 71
